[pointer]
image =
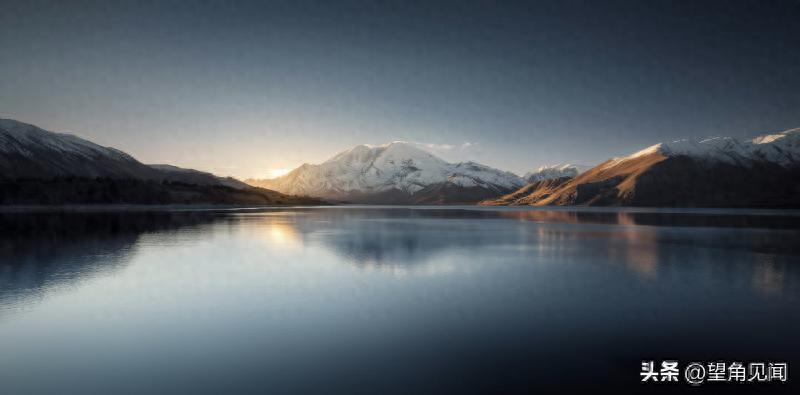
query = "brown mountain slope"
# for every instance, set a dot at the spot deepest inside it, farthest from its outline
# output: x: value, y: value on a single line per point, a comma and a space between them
x: 676, y: 181
x: 612, y: 182
x: 530, y: 193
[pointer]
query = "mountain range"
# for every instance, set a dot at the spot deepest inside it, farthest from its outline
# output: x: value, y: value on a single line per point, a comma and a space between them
x: 42, y: 167
x: 715, y: 172
x: 394, y: 173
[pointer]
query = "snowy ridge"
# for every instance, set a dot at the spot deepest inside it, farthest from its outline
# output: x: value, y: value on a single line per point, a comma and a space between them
x: 781, y: 148
x: 553, y: 172
x: 27, y: 151
x: 21, y: 138
x: 394, y: 166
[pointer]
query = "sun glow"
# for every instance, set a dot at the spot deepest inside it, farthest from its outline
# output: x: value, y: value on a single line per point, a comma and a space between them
x: 272, y: 173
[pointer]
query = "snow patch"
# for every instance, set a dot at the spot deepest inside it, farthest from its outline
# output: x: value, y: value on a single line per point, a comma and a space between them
x: 554, y: 171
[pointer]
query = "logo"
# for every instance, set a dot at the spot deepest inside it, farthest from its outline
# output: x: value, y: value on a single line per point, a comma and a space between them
x: 699, y: 373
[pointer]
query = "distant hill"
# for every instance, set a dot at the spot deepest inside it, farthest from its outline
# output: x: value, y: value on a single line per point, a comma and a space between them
x: 42, y: 167
x: 192, y: 176
x: 716, y: 172
x: 74, y: 190
x: 394, y: 173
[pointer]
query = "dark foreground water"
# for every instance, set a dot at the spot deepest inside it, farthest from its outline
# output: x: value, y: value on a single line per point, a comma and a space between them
x: 401, y: 300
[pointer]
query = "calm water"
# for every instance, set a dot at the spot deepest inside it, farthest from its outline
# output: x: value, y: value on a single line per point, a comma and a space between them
x: 375, y: 300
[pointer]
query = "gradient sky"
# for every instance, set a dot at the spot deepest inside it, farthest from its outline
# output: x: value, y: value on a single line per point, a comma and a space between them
x: 243, y: 88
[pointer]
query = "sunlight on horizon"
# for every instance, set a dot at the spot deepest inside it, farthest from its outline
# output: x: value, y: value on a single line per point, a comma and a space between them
x: 273, y: 173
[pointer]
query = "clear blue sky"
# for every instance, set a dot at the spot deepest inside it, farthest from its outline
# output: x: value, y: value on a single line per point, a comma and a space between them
x: 244, y: 88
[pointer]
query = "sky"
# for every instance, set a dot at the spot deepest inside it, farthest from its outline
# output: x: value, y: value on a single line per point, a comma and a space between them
x: 251, y: 88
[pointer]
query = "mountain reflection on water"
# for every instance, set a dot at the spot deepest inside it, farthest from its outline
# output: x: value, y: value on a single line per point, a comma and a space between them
x: 44, y: 251
x: 400, y: 238
x: 387, y: 299
x: 40, y: 251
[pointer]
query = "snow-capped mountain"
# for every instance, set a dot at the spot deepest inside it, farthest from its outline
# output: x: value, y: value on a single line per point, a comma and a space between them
x: 27, y: 151
x: 397, y: 172
x: 716, y: 172
x: 780, y: 148
x: 553, y: 172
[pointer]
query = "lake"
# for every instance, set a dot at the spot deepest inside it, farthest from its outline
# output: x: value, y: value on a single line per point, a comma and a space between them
x: 388, y: 299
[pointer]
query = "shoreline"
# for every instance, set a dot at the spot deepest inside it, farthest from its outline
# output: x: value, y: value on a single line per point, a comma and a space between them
x: 5, y: 209
x: 138, y: 207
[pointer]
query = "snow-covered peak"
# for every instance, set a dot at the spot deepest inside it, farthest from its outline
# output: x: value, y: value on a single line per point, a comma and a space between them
x: 365, y: 153
x: 782, y: 148
x: 554, y: 171
x: 359, y: 153
x: 394, y: 166
x: 785, y: 136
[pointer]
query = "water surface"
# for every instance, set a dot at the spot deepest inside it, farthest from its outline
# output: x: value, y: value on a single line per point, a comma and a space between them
x: 387, y: 299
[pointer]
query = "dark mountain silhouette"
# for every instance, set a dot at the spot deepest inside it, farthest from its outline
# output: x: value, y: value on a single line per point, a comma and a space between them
x: 42, y: 167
